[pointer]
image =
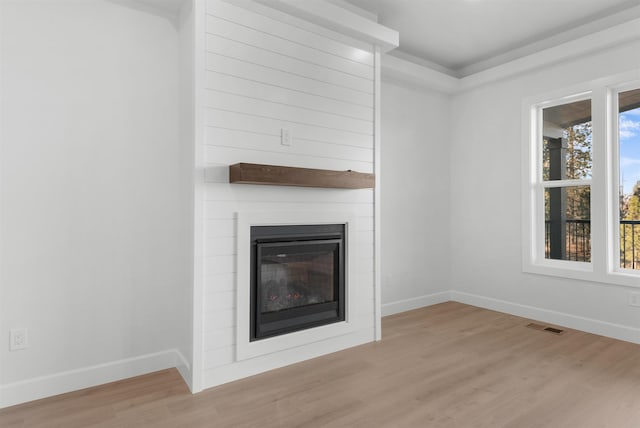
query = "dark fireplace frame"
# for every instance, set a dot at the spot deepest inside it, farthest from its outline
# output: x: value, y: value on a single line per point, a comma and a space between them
x: 275, y: 238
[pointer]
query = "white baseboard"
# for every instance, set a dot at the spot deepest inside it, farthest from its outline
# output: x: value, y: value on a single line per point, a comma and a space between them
x: 415, y: 303
x: 59, y: 383
x: 73, y: 380
x: 245, y: 368
x: 184, y: 368
x: 590, y: 325
x: 602, y: 328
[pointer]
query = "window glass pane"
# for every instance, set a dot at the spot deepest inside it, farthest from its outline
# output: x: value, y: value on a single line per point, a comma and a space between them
x: 566, y: 145
x: 629, y: 138
x: 568, y: 223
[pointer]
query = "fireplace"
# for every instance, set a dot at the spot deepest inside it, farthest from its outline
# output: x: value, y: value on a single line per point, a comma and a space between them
x: 297, y: 278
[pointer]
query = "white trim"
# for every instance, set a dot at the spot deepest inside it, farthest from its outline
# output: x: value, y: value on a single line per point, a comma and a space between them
x: 2, y: 144
x: 538, y: 185
x: 377, y: 201
x: 612, y: 153
x: 246, y: 349
x: 371, y: 16
x: 199, y: 16
x: 73, y: 380
x: 185, y: 369
x: 399, y: 306
x: 613, y: 162
x: 599, y: 170
x: 590, y: 325
x: 566, y: 183
x: 407, y: 71
x: 339, y: 19
x: 613, y: 36
x: 603, y: 267
x: 167, y: 13
x: 592, y: 27
x: 420, y: 74
x: 245, y: 368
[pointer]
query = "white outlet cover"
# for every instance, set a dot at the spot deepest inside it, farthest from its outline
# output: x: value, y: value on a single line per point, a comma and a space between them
x: 634, y: 299
x: 18, y: 339
x: 285, y: 136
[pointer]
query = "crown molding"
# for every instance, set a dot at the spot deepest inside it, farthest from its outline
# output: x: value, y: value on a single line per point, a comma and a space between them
x: 406, y: 71
x: 394, y: 67
x: 598, y: 41
x: 339, y: 19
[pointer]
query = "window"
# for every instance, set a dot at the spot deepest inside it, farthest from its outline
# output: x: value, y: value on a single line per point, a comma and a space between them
x: 628, y: 158
x: 581, y: 183
x: 566, y: 139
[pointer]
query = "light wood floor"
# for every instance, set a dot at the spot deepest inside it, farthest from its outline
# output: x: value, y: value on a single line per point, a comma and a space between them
x: 449, y: 365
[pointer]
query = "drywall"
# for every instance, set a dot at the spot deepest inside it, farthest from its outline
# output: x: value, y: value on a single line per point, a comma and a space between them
x: 92, y: 222
x: 414, y: 196
x: 485, y: 209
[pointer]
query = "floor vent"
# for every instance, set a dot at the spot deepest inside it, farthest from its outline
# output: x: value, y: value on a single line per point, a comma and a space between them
x: 545, y: 328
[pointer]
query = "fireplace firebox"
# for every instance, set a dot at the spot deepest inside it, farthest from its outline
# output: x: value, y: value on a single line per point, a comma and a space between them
x: 297, y: 278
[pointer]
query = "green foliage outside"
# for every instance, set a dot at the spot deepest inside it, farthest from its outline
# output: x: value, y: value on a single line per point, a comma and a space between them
x: 577, y: 158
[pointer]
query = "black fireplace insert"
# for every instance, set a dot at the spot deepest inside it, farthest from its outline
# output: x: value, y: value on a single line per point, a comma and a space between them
x: 297, y: 278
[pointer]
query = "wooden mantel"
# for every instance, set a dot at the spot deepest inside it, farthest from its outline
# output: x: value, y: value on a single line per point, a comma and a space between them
x: 251, y: 173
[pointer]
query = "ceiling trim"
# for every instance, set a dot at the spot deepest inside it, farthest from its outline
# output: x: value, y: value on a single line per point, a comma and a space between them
x: 555, y: 39
x: 421, y: 75
x: 610, y: 37
x: 338, y: 19
x: 153, y: 9
x: 403, y: 70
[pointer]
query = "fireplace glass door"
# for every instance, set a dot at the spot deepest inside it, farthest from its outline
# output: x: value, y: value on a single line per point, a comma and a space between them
x: 297, y: 278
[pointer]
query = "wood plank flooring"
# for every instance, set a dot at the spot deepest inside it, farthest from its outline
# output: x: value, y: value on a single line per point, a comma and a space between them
x: 448, y: 365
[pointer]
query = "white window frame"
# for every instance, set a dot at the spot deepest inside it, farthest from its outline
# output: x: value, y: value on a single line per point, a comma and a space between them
x: 614, y: 90
x: 605, y: 242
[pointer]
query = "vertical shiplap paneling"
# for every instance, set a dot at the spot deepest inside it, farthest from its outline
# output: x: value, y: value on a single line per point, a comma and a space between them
x: 261, y: 75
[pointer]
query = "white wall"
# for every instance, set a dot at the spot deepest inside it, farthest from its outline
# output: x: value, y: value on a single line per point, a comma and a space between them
x: 485, y: 258
x: 266, y: 71
x: 92, y: 222
x: 414, y: 196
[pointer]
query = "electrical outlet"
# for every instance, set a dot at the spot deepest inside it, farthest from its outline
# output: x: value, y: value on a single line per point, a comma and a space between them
x: 18, y: 339
x: 634, y: 299
x: 285, y: 137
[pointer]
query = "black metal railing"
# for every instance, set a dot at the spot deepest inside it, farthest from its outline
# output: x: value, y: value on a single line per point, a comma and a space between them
x: 577, y: 246
x: 630, y: 244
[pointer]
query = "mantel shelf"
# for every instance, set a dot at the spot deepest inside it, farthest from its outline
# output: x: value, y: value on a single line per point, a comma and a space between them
x: 251, y: 173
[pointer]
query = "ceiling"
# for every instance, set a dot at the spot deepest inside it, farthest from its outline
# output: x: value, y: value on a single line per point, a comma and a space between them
x: 171, y: 6
x: 169, y: 9
x: 461, y: 37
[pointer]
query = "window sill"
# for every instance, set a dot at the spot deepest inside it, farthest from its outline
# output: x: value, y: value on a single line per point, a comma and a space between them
x: 583, y: 272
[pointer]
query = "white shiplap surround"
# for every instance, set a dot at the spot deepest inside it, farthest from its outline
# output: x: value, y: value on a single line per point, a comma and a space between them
x: 264, y: 72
